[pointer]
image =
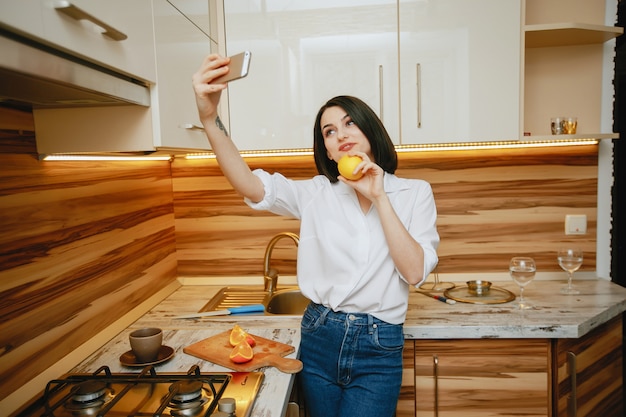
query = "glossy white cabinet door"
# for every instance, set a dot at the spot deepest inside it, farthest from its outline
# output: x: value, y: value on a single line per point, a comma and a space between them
x: 458, y: 63
x: 83, y: 37
x: 460, y: 70
x: 180, y: 48
x: 304, y: 53
x: 24, y: 17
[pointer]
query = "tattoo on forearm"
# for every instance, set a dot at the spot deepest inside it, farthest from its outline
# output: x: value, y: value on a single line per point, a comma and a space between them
x: 221, y: 126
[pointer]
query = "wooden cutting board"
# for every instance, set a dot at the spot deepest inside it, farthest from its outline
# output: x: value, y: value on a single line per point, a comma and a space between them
x: 267, y: 352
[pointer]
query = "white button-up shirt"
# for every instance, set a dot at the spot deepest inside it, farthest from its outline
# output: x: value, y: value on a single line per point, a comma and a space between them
x: 343, y: 258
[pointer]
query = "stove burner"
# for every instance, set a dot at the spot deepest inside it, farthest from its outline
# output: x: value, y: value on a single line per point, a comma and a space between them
x: 187, y: 398
x: 89, y: 395
x: 89, y: 390
x: 186, y: 390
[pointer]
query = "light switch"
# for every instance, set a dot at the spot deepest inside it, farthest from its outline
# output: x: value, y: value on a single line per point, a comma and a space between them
x: 575, y: 224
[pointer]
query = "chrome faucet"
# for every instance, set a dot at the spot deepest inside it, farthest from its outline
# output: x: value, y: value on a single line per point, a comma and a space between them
x: 270, y: 275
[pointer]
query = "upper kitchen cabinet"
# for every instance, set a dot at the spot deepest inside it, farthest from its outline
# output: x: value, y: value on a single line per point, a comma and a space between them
x: 304, y: 53
x: 568, y: 65
x: 448, y: 73
x: 182, y: 42
x: 170, y: 123
x: 115, y: 34
x: 460, y: 70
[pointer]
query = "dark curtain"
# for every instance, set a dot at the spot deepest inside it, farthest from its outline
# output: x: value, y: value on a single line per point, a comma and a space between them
x: 618, y: 230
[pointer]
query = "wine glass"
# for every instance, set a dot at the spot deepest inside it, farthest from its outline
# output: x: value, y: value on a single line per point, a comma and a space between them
x: 570, y: 259
x: 522, y: 271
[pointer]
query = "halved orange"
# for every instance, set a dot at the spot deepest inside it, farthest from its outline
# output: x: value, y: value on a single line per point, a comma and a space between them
x: 237, y: 334
x: 242, y: 353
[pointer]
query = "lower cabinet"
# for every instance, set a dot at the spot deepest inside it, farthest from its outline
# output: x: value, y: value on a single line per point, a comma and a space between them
x: 406, y: 402
x: 483, y: 377
x: 513, y: 377
x: 588, y: 375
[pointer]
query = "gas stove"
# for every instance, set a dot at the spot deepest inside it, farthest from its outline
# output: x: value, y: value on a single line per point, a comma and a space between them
x: 148, y: 393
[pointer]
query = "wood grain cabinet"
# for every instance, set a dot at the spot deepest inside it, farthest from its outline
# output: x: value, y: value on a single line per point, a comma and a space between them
x: 512, y: 377
x: 484, y: 377
x: 588, y: 373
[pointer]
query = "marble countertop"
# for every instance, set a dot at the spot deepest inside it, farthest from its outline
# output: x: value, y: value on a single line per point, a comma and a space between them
x: 554, y: 316
x: 179, y: 333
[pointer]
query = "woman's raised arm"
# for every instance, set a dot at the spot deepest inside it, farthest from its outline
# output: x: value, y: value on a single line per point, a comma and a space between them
x: 230, y: 161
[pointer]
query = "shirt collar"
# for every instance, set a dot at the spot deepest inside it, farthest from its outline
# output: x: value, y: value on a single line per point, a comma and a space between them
x: 390, y: 182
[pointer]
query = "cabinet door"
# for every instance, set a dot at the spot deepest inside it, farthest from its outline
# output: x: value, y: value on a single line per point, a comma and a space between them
x: 460, y: 70
x: 24, y: 17
x: 180, y: 49
x: 406, y: 402
x: 589, y: 373
x: 481, y: 378
x: 85, y: 37
x: 304, y: 53
x: 197, y: 11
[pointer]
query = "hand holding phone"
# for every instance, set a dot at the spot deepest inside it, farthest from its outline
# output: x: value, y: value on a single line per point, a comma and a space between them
x: 238, y: 68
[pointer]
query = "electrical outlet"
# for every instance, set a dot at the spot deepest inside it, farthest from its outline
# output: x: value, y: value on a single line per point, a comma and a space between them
x: 575, y: 224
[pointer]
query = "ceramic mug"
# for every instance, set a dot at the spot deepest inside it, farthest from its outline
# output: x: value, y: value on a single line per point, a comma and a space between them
x: 146, y: 344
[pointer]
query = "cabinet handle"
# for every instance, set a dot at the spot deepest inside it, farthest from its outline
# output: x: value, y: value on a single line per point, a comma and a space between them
x: 190, y: 126
x: 77, y: 13
x: 436, y: 378
x: 571, y: 401
x: 418, y: 74
x: 380, y: 92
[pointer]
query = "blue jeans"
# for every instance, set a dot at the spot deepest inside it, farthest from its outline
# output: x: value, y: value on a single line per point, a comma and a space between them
x: 352, y: 364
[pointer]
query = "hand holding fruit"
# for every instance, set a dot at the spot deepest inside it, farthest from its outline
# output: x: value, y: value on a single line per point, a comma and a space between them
x: 368, y: 179
x: 346, y: 166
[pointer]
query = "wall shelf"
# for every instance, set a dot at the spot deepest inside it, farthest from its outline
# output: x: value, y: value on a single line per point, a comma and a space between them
x: 568, y: 34
x: 598, y: 136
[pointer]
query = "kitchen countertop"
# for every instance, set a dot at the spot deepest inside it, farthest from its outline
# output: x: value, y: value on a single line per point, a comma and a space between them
x: 555, y: 316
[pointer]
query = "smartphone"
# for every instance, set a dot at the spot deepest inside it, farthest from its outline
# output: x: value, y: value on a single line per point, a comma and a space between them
x: 239, y: 66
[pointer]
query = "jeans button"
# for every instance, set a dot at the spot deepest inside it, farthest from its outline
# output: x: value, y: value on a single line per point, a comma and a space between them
x: 352, y: 317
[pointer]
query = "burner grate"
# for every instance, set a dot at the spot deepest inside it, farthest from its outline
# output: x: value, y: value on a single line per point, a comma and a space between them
x: 101, y: 392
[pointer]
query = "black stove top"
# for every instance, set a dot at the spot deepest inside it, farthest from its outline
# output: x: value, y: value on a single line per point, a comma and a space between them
x: 148, y: 393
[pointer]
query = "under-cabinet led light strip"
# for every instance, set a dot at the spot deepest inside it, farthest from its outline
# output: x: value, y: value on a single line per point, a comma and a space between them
x: 301, y: 152
x: 106, y: 158
x: 421, y: 148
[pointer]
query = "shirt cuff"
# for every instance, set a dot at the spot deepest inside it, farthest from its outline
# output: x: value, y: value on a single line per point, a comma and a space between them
x: 268, y: 187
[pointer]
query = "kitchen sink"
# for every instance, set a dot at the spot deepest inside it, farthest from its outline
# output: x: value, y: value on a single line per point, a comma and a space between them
x: 287, y: 302
x: 283, y: 301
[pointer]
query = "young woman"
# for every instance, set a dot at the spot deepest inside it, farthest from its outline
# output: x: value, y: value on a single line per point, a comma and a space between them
x: 362, y: 243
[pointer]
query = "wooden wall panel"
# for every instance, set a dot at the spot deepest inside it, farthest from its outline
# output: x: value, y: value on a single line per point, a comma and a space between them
x: 492, y: 204
x: 81, y: 244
